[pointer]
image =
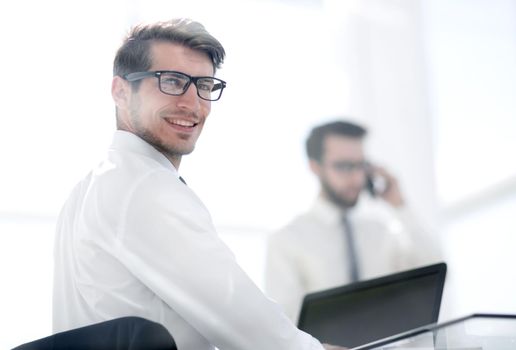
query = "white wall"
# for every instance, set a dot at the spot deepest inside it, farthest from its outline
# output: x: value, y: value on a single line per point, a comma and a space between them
x: 26, y: 272
x: 380, y: 45
x: 471, y: 51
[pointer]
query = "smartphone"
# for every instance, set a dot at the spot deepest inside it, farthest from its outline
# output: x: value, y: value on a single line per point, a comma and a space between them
x: 375, y: 185
x: 369, y: 185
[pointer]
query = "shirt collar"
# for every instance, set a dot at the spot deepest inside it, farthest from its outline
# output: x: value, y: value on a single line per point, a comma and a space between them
x: 328, y: 211
x: 127, y: 141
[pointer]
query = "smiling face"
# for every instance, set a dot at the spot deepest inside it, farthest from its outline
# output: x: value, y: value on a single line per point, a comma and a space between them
x: 172, y: 124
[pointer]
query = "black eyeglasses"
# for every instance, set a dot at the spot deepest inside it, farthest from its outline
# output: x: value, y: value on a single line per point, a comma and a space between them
x: 347, y: 167
x: 176, y: 83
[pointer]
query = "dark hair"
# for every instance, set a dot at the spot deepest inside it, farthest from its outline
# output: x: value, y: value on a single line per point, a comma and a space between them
x: 315, y: 141
x: 135, y: 53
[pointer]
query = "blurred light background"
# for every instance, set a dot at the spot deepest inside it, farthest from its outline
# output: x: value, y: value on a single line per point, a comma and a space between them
x: 434, y: 80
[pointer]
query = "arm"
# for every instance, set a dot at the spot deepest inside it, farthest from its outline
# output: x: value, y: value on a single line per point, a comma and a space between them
x: 167, y: 240
x: 422, y: 247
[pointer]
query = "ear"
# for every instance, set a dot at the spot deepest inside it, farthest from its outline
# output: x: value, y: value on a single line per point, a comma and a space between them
x: 120, y: 90
x: 315, y: 167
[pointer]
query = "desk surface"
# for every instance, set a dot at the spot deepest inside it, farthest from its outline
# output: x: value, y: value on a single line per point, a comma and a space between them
x: 474, y: 332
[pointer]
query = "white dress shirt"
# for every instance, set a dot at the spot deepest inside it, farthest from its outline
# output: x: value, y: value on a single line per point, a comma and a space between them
x: 310, y: 253
x: 133, y: 240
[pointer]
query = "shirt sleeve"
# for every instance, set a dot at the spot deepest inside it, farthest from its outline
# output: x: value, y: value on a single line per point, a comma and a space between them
x: 167, y: 240
x: 423, y: 246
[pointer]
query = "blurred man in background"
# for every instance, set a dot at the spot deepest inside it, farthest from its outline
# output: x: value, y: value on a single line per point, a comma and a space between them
x: 333, y: 243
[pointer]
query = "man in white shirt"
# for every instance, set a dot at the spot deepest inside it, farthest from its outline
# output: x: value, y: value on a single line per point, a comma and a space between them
x: 133, y: 239
x: 333, y: 243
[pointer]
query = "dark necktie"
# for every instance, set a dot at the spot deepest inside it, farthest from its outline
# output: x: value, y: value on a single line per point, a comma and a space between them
x: 182, y: 180
x: 351, y: 249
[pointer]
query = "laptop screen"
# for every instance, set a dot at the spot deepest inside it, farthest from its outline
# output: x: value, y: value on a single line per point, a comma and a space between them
x: 362, y: 312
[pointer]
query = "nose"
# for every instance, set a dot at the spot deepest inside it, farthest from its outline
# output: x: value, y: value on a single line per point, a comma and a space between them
x: 189, y: 100
x: 357, y: 176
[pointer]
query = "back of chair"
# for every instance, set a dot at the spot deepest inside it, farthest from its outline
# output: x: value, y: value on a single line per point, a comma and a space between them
x: 126, y: 333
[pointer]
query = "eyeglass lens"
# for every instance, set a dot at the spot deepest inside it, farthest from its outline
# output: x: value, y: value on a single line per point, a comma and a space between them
x: 176, y: 84
x: 349, y: 166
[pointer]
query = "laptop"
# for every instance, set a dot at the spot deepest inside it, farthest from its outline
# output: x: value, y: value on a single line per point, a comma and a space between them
x: 362, y: 312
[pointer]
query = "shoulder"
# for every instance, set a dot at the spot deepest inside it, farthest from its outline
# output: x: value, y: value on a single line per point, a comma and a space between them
x: 130, y: 172
x: 136, y: 185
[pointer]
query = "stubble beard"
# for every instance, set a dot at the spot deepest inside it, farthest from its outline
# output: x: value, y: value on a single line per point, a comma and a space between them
x: 168, y: 150
x: 336, y: 198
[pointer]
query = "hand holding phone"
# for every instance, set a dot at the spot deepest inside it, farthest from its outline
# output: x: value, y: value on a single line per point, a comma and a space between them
x: 380, y: 183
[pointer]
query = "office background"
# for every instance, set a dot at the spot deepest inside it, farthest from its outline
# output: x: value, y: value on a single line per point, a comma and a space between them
x: 434, y: 80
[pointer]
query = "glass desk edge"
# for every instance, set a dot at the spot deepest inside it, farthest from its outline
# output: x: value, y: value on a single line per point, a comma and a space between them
x: 429, y: 328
